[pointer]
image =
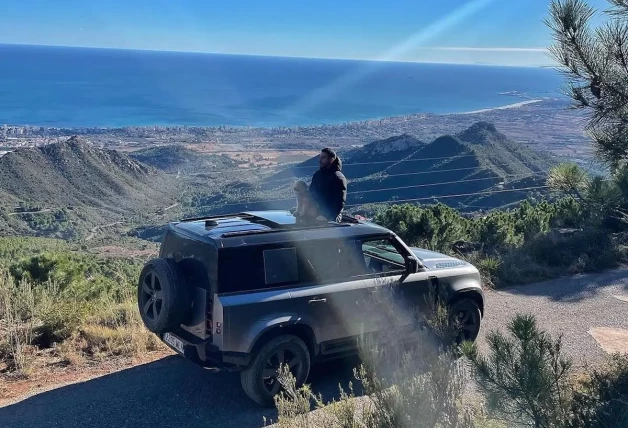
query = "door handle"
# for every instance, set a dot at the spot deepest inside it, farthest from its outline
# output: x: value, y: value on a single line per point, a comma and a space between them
x: 318, y: 300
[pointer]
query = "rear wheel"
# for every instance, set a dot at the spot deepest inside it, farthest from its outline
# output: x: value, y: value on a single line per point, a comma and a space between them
x: 162, y: 296
x: 260, y: 380
x: 466, y: 317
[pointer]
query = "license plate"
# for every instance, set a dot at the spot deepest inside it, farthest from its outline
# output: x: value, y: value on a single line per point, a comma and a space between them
x: 173, y: 341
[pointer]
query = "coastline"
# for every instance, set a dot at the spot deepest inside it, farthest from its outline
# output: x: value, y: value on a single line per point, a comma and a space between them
x: 369, y: 121
x: 509, y: 106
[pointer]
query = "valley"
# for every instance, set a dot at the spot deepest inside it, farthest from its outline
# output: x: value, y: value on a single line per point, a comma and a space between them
x: 79, y: 189
x: 207, y: 170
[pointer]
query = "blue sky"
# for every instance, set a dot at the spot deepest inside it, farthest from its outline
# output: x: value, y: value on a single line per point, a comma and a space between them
x: 508, y: 32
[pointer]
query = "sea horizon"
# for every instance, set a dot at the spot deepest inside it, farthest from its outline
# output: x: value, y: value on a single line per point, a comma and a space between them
x: 479, y: 64
x: 75, y: 87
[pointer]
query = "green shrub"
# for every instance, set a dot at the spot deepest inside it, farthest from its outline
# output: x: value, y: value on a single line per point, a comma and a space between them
x: 568, y: 213
x: 81, y: 276
x: 79, y: 303
x: 434, y: 227
x: 488, y: 267
x: 17, y: 320
x: 524, y: 376
x: 60, y: 319
x: 555, y: 254
x: 13, y: 248
x: 496, y: 230
x: 439, y: 226
x: 601, y: 401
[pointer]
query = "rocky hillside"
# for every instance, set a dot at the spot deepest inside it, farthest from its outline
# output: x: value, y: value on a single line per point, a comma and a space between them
x: 75, y: 182
x: 176, y: 158
x: 479, y: 159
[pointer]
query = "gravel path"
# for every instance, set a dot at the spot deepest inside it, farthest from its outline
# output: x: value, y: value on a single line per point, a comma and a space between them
x: 575, y: 307
x: 173, y: 392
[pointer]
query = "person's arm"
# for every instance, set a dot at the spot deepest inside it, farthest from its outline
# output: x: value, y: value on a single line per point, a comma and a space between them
x: 313, y: 188
x: 338, y: 195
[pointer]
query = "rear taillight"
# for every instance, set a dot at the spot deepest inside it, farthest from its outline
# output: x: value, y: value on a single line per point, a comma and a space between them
x: 209, y: 316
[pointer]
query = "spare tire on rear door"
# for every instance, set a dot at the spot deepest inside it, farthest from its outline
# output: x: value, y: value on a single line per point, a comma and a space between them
x: 162, y: 295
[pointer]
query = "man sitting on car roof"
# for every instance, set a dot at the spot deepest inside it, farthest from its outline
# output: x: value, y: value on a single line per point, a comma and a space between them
x: 329, y: 186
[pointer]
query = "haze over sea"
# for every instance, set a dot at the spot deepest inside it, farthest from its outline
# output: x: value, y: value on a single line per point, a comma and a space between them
x: 81, y: 87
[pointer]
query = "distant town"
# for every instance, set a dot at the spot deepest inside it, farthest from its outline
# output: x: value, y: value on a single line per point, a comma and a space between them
x: 547, y: 124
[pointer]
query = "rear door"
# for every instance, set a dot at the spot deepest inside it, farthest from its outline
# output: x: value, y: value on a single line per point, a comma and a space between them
x: 330, y: 296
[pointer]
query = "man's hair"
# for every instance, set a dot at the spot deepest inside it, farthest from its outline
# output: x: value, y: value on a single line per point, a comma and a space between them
x: 329, y: 152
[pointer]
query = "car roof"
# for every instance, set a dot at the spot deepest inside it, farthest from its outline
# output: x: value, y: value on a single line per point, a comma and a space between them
x: 264, y: 227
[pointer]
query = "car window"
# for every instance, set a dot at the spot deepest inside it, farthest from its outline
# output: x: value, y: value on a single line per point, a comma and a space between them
x: 328, y: 260
x: 280, y: 266
x: 380, y: 257
x: 255, y: 268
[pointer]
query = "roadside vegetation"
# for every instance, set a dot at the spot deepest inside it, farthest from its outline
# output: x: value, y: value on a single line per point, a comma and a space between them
x: 538, y: 240
x: 522, y: 379
x: 60, y: 307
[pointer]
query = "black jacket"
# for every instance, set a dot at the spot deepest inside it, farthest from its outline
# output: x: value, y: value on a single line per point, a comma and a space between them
x: 329, y: 190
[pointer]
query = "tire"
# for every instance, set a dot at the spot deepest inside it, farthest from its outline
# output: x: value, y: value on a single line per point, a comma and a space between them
x: 467, y: 314
x: 162, y: 296
x: 263, y: 389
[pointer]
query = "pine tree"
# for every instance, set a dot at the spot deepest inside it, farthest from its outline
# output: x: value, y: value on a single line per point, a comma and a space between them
x: 524, y: 376
x: 595, y: 64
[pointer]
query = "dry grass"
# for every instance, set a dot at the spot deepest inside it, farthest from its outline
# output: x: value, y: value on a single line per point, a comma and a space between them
x: 17, y: 318
x: 115, y: 331
x: 37, y: 318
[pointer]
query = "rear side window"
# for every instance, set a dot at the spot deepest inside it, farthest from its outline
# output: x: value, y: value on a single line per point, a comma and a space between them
x: 280, y: 266
x: 256, y: 268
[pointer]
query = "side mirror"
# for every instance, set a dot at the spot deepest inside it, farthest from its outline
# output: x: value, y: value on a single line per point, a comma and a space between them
x: 412, y: 265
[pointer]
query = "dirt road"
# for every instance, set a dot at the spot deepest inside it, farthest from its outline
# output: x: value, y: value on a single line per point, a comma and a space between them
x: 591, y: 311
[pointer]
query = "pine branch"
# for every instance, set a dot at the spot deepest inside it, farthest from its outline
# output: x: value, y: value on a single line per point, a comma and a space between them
x: 595, y: 65
x: 619, y: 8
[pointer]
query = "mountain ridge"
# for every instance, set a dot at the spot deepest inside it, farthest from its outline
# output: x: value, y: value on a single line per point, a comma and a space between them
x: 88, y: 185
x: 477, y: 159
x: 174, y: 158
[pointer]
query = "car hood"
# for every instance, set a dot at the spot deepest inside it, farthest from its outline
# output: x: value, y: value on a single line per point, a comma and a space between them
x: 433, y: 260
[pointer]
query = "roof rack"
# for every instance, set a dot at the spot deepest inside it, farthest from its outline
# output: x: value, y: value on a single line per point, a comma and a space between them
x: 215, y: 216
x: 210, y: 221
x: 283, y: 229
x: 349, y: 219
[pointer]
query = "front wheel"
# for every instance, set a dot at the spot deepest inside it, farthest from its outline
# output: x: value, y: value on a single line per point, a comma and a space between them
x: 260, y: 380
x: 465, y: 316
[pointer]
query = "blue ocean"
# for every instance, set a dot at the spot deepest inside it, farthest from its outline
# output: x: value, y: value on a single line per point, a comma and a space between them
x: 77, y: 87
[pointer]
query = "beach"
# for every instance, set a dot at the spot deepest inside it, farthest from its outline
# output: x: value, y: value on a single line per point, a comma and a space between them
x: 509, y: 106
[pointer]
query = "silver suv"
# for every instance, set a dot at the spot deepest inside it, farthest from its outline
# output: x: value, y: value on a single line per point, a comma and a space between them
x: 254, y: 290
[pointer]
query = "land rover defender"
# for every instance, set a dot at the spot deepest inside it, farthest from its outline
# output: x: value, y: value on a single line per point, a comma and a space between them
x: 251, y: 291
